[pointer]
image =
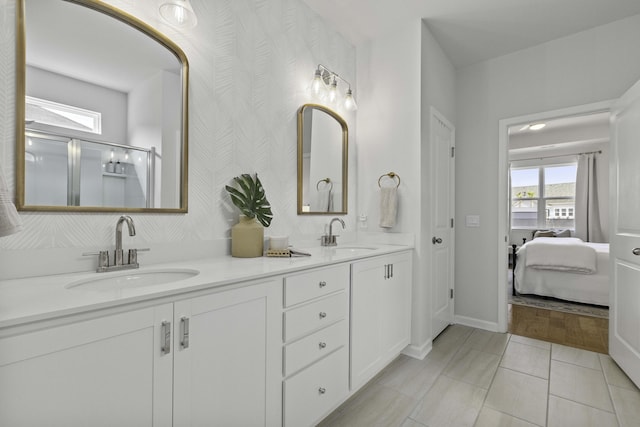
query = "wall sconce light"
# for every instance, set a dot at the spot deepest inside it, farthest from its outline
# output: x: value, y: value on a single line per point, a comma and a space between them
x: 179, y: 13
x: 324, y: 87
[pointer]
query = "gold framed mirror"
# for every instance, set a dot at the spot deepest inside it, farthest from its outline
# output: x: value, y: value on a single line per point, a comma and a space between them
x: 102, y: 111
x: 323, y: 140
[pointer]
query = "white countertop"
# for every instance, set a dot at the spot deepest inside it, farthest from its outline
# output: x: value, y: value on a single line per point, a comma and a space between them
x: 46, y: 297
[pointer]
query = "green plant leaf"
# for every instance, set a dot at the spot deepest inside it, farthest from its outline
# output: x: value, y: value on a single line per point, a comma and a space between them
x: 250, y: 198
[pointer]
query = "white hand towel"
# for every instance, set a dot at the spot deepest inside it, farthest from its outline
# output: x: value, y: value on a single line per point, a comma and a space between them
x: 388, y: 206
x: 9, y: 219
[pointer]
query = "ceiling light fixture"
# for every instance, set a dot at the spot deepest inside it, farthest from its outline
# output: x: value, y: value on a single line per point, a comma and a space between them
x: 537, y: 126
x: 324, y: 87
x: 179, y: 13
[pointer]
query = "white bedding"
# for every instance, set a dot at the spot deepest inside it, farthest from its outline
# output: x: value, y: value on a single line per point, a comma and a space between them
x: 565, y: 284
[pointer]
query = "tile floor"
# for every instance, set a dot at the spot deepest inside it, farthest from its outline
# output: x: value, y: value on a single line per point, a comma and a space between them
x: 478, y: 378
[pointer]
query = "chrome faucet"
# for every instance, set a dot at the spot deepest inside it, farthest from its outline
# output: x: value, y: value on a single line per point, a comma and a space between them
x: 330, y: 239
x: 119, y: 255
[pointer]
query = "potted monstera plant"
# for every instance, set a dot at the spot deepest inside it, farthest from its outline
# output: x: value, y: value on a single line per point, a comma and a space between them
x: 247, y: 236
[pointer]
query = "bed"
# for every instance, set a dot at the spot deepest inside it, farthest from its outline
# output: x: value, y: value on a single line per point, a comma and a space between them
x: 564, y: 268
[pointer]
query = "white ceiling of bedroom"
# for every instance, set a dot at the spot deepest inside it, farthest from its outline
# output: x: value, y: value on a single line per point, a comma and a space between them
x: 471, y: 31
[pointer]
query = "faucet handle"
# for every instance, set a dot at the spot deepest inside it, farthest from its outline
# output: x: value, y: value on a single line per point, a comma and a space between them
x: 103, y: 258
x: 133, y: 255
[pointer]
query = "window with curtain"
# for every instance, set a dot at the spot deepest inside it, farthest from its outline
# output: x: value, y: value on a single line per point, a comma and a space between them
x: 543, y: 196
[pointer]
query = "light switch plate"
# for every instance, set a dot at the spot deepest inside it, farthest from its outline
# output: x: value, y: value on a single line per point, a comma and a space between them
x: 473, y: 221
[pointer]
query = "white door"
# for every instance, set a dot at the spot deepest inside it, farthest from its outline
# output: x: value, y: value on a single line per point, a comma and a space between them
x: 624, y: 334
x: 227, y: 358
x: 442, y: 231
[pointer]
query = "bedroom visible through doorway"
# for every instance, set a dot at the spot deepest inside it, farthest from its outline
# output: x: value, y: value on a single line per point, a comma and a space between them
x: 544, y: 190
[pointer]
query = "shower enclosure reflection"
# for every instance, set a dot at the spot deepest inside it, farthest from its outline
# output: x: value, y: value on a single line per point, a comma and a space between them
x: 64, y: 171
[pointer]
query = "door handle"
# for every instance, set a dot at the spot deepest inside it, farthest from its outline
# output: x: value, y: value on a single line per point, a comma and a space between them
x: 166, y: 337
x: 184, y: 331
x: 435, y: 240
x: 636, y: 251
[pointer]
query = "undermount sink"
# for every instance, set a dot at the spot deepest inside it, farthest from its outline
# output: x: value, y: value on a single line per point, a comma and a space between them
x: 132, y: 279
x: 354, y: 249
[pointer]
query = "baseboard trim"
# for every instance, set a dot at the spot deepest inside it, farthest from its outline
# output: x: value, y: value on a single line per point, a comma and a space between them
x: 477, y: 323
x: 418, y: 351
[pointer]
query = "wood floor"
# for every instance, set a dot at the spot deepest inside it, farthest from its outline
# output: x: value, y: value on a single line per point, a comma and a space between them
x: 574, y: 330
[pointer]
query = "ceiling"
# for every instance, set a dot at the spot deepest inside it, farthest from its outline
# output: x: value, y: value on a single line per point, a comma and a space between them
x: 471, y: 31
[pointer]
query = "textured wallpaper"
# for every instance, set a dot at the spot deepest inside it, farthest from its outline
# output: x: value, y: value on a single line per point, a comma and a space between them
x: 250, y: 62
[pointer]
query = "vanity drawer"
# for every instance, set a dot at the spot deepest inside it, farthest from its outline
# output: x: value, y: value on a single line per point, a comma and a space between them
x: 316, y: 283
x: 301, y: 353
x: 318, y: 314
x: 313, y: 392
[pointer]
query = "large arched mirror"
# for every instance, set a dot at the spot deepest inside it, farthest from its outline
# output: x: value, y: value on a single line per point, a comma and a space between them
x: 102, y: 111
x: 322, y: 161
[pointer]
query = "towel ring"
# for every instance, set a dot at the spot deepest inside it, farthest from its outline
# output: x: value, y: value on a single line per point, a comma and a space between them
x: 391, y: 175
x: 327, y: 181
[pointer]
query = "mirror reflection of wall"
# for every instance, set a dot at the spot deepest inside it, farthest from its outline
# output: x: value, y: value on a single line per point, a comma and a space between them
x: 322, y: 161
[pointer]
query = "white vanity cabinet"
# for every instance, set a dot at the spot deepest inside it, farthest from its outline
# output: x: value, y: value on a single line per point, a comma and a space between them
x: 209, y: 360
x: 101, y: 372
x: 316, y: 344
x: 380, y: 313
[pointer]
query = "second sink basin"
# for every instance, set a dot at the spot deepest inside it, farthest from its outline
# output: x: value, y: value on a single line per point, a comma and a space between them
x: 132, y: 279
x: 354, y: 249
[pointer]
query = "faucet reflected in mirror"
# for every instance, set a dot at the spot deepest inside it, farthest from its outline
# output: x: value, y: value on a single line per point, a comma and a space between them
x: 118, y: 255
x: 330, y: 239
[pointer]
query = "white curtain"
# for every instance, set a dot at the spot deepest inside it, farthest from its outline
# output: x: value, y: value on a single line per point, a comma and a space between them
x: 588, y: 224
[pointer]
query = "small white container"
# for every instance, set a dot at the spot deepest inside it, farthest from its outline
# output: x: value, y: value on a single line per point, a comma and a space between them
x: 278, y: 242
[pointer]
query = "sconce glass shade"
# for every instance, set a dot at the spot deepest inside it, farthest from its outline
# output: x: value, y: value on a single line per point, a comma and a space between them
x: 317, y: 86
x: 179, y: 13
x: 333, y: 92
x: 349, y: 101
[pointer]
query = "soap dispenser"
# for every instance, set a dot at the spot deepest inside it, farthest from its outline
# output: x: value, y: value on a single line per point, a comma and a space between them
x: 119, y: 167
x: 110, y: 167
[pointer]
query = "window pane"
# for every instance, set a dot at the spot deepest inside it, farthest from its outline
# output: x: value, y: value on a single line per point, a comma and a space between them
x: 524, y: 183
x: 560, y: 213
x: 524, y: 214
x: 560, y: 181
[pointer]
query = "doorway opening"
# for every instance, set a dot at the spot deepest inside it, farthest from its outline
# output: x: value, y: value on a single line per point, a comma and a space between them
x: 535, y: 164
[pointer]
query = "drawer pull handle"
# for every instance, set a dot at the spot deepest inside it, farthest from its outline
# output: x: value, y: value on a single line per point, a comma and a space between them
x: 322, y: 390
x: 322, y: 345
x: 322, y: 284
x: 323, y: 314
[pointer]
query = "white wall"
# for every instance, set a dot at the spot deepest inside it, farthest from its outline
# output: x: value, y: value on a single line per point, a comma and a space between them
x: 249, y: 66
x: 400, y: 75
x: 587, y: 67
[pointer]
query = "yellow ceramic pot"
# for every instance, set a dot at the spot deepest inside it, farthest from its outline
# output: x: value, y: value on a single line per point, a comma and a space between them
x: 247, y: 238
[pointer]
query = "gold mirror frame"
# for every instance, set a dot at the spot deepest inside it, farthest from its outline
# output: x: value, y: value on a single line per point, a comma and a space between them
x: 345, y: 159
x: 20, y: 109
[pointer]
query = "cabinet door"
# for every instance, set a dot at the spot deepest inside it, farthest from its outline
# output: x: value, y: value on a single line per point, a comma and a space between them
x: 380, y: 314
x: 108, y: 371
x: 229, y: 372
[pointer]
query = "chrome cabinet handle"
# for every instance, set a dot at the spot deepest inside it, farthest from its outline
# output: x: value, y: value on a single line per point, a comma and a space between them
x: 166, y: 337
x: 184, y: 332
x: 435, y: 240
x: 322, y: 314
x: 391, y: 265
x: 636, y: 251
x: 322, y: 345
x: 322, y: 284
x: 322, y: 390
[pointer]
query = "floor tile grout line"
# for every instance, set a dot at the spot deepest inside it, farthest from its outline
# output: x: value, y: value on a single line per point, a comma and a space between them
x: 613, y: 403
x: 484, y: 401
x: 583, y: 404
